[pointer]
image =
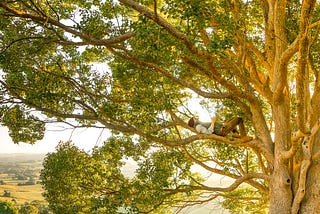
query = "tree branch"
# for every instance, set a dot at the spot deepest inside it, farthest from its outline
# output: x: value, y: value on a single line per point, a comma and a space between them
x: 222, y: 172
x: 163, y: 23
x: 306, y: 156
x: 302, y: 74
x: 129, y: 56
x: 294, y: 145
x: 85, y: 37
x: 230, y: 188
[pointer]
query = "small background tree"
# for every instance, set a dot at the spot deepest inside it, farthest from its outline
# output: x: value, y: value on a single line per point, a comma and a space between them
x: 28, y: 209
x: 7, y: 208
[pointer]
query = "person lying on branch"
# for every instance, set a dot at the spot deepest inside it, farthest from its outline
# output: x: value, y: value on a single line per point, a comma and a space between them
x: 217, y: 128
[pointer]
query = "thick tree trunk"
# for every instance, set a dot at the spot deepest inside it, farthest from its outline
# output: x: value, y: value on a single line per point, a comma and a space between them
x: 280, y: 190
x: 280, y: 182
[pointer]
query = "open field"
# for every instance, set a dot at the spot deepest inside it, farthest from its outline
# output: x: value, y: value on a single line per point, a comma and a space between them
x: 21, y: 194
x: 15, y: 171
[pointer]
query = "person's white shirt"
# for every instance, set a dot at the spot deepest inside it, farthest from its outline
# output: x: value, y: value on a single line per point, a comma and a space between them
x: 204, y: 130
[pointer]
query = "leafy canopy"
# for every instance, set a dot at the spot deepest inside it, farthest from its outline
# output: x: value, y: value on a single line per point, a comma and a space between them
x: 132, y: 67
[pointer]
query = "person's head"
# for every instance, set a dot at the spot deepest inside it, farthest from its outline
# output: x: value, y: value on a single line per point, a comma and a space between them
x: 192, y: 121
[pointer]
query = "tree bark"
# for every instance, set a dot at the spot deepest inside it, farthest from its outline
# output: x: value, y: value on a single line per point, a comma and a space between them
x: 310, y: 203
x: 280, y: 181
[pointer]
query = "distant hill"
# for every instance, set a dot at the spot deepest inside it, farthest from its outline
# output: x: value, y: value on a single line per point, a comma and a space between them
x: 21, y: 157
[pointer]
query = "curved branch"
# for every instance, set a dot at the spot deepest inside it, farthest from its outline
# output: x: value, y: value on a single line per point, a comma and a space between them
x: 206, y: 167
x: 246, y: 198
x: 212, y: 73
x: 294, y: 142
x: 18, y: 40
x: 230, y: 188
x: 175, y: 143
x: 306, y: 161
x: 167, y: 74
x: 302, y: 91
x: 233, y: 176
x: 162, y: 22
x: 258, y: 54
x: 260, y: 81
x: 83, y: 36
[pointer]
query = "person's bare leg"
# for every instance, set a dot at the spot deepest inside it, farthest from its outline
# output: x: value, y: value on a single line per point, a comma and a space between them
x: 231, y: 124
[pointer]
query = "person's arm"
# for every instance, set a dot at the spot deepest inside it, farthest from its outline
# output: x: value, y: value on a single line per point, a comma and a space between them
x: 213, y: 120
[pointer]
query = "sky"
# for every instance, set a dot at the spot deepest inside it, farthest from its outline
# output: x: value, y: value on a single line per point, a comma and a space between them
x: 84, y: 138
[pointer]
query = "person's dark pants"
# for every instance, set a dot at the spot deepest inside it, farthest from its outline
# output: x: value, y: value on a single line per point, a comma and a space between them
x: 231, y: 126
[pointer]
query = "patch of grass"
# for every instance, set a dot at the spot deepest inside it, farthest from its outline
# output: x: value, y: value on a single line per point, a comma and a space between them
x: 21, y: 194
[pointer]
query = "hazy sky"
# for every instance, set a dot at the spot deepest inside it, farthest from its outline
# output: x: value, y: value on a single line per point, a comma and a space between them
x: 83, y: 138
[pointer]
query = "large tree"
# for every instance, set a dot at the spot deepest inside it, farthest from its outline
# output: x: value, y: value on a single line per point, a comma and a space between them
x: 257, y: 59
